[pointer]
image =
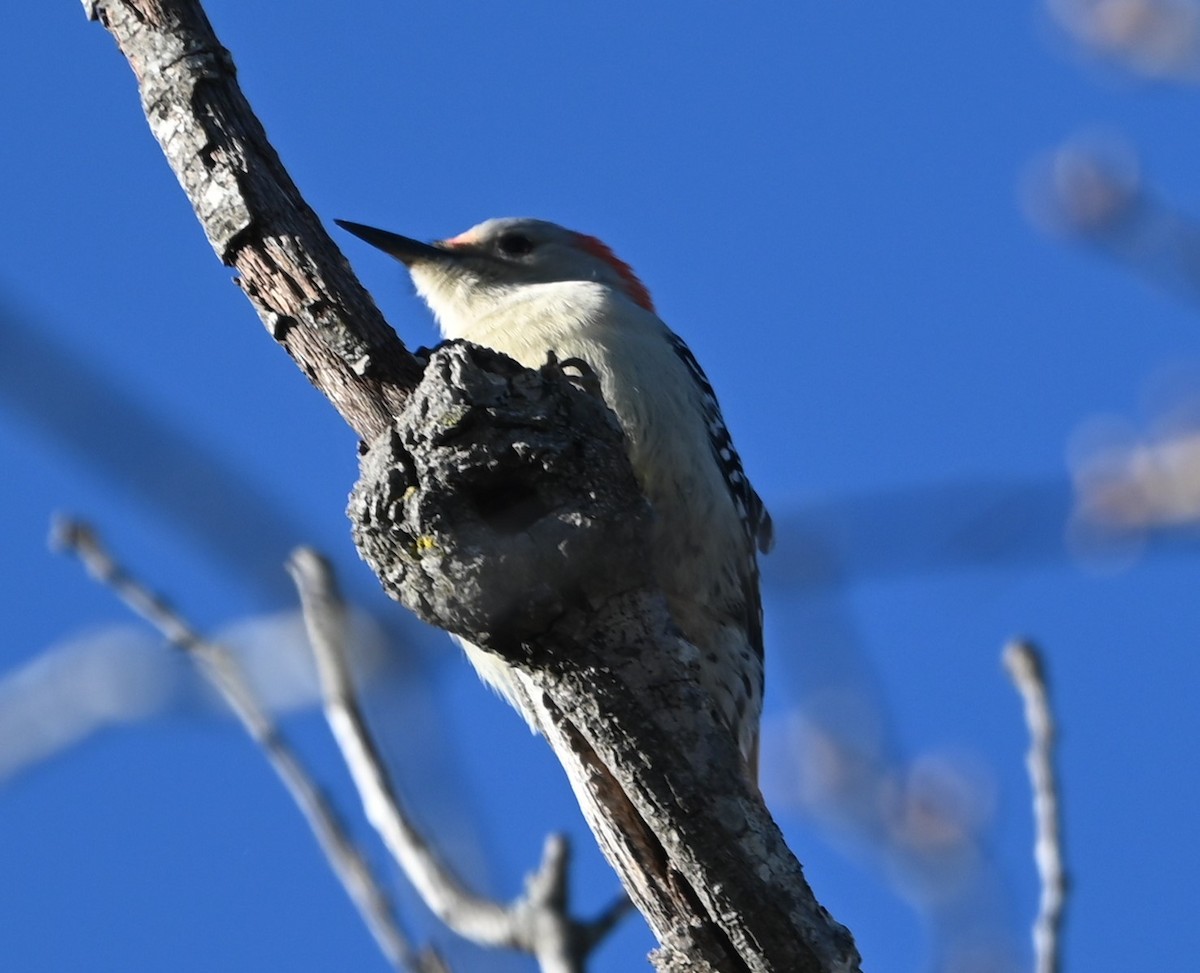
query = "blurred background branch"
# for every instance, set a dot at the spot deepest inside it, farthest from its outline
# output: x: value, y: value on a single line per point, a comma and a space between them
x: 222, y: 671
x: 1027, y: 669
x: 538, y: 922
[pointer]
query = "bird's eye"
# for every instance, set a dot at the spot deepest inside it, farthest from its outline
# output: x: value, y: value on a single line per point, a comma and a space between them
x: 514, y: 244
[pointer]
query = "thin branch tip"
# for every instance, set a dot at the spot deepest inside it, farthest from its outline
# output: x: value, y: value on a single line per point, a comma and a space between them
x: 67, y: 533
x: 309, y: 562
x: 547, y: 885
x: 1023, y: 660
x: 1026, y: 667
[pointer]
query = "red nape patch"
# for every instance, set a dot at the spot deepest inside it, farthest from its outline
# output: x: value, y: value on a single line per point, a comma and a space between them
x: 633, y: 287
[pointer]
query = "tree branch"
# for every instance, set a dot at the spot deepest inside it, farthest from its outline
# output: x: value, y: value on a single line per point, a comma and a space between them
x: 1024, y: 664
x: 502, y: 508
x: 253, y: 214
x: 508, y: 514
x: 538, y: 922
x: 223, y: 673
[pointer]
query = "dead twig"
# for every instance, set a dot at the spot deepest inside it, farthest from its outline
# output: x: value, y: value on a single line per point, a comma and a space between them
x: 539, y: 921
x: 1024, y: 665
x: 222, y: 671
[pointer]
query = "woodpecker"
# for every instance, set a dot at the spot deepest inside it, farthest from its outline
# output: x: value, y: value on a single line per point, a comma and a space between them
x: 532, y: 289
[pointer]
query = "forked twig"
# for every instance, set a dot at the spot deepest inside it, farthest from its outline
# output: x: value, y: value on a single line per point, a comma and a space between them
x: 220, y: 668
x: 538, y: 922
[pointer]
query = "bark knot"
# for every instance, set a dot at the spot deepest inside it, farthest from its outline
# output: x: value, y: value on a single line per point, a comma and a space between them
x: 501, y: 498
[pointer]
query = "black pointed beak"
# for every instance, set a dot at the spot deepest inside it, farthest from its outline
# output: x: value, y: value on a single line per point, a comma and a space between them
x: 404, y: 249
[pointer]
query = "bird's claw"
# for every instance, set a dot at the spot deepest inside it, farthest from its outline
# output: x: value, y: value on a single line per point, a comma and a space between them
x: 576, y: 371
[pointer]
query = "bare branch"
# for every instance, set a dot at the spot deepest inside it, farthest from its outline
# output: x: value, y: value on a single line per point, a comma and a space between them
x: 538, y: 922
x: 661, y: 783
x: 1092, y: 190
x: 222, y: 671
x: 1024, y: 665
x: 252, y: 212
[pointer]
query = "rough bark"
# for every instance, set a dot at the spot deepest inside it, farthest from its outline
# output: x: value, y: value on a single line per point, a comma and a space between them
x: 253, y: 214
x: 499, y: 504
x: 501, y: 507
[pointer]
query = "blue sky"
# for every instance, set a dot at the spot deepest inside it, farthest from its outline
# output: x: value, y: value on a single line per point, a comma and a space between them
x: 824, y: 200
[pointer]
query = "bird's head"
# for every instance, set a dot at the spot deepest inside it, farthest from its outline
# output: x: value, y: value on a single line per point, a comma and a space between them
x: 466, y: 275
